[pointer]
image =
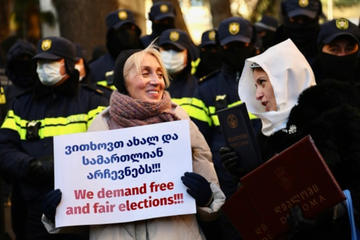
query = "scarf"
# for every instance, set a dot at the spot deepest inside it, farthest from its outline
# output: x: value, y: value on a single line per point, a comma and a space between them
x: 126, y: 111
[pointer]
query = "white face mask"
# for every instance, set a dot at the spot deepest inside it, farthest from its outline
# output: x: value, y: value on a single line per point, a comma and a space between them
x: 49, y: 73
x: 174, y: 61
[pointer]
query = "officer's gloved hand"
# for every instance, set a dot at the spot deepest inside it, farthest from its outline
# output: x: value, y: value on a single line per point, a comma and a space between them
x: 230, y: 160
x: 198, y: 188
x: 50, y: 203
x: 40, y: 170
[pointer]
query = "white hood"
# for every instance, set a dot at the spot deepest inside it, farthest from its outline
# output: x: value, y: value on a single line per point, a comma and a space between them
x: 289, y: 74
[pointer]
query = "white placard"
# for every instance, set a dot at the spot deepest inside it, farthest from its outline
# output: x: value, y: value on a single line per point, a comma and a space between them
x: 123, y: 175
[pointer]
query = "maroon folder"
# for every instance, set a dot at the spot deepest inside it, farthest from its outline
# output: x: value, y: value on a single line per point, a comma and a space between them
x: 296, y: 176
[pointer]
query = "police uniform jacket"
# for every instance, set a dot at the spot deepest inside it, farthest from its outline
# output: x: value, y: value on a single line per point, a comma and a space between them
x: 28, y: 129
x: 172, y: 227
x: 216, y: 92
x: 100, y: 67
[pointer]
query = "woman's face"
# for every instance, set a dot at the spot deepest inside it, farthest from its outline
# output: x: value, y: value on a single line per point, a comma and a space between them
x: 149, y: 83
x: 264, y: 90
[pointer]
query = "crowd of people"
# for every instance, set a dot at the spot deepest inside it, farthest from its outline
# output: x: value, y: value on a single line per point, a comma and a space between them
x: 296, y: 78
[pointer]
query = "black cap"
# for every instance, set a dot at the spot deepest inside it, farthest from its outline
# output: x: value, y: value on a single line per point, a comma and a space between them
x: 116, y: 19
x: 209, y: 37
x: 19, y: 48
x: 55, y: 48
x: 119, y: 80
x: 266, y: 23
x: 161, y: 10
x: 335, y: 28
x: 309, y: 8
x: 175, y: 37
x: 235, y: 29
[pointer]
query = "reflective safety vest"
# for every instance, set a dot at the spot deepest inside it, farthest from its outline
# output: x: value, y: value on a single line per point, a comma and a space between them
x: 198, y: 110
x: 52, y: 126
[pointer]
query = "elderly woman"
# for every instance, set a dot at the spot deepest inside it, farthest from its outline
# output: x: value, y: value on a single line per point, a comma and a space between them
x: 278, y: 86
x: 141, y: 99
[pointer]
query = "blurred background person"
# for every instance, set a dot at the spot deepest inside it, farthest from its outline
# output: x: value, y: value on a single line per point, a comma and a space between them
x: 122, y: 33
x: 162, y: 17
x: 20, y: 69
x: 338, y: 51
x: 301, y: 25
x: 57, y: 105
x: 210, y: 54
x: 265, y: 32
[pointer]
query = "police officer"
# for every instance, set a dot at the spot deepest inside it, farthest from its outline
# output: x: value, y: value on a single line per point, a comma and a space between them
x: 265, y: 31
x: 57, y: 105
x: 338, y: 44
x: 162, y: 17
x: 175, y: 50
x: 21, y: 71
x: 219, y: 90
x: 301, y: 25
x: 122, y: 33
x: 210, y: 54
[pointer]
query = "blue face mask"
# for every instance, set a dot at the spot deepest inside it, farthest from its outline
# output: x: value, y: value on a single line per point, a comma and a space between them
x: 49, y: 73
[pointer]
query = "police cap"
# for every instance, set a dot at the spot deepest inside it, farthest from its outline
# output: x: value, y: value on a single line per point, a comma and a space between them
x: 118, y: 18
x: 266, y: 23
x: 161, y: 10
x: 55, y: 48
x: 20, y: 48
x: 235, y: 29
x: 335, y: 28
x: 309, y: 8
x: 209, y: 37
x: 175, y: 37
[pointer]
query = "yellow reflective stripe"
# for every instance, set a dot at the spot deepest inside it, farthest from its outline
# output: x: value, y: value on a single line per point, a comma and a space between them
x: 194, y: 65
x: 215, y: 118
x: 182, y: 101
x: 198, y: 111
x: 2, y: 96
x: 104, y: 84
x: 50, y: 131
x: 198, y: 114
x: 200, y: 104
x: 93, y: 113
x: 53, y: 126
x: 9, y: 121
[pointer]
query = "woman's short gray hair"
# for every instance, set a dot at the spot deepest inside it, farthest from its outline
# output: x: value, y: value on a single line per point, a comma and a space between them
x: 136, y: 59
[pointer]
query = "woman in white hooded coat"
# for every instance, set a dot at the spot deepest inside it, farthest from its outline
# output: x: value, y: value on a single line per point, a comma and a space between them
x: 297, y: 108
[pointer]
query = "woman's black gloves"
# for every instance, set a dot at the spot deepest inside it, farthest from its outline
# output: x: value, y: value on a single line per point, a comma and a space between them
x: 50, y: 203
x: 198, y: 188
x: 230, y: 160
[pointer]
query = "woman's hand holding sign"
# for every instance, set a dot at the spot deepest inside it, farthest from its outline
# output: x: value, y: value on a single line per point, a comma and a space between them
x: 198, y: 188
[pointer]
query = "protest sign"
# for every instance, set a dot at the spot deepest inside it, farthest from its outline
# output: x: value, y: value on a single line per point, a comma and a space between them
x: 123, y: 175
